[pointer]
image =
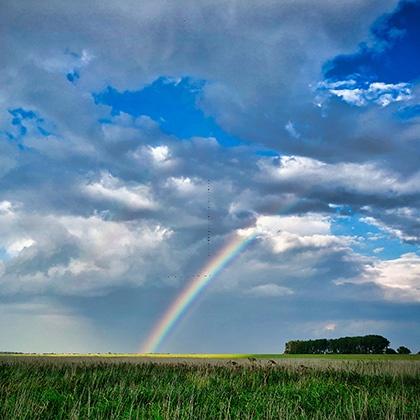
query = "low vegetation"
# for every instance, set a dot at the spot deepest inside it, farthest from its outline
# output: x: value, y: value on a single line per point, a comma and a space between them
x: 181, y: 390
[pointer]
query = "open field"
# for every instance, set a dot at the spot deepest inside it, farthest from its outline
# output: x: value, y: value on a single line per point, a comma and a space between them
x: 223, y: 356
x: 208, y: 386
x: 378, y: 363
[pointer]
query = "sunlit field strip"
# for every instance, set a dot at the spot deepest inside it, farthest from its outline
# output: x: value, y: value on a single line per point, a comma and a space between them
x: 413, y: 357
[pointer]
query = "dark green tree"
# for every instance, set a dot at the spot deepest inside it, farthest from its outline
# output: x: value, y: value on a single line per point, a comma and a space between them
x: 403, y: 350
x: 368, y: 344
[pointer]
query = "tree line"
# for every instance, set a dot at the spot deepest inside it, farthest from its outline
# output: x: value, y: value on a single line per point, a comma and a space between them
x: 368, y: 344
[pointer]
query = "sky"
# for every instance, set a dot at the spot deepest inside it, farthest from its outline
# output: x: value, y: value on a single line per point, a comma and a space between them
x: 129, y: 131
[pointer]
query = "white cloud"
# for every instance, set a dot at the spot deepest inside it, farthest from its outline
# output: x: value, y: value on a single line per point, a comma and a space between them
x: 407, y: 214
x: 75, y: 254
x: 285, y: 233
x: 269, y: 290
x: 59, y: 62
x: 399, y: 278
x: 17, y: 246
x: 285, y: 241
x: 159, y: 154
x: 379, y: 93
x: 364, y: 178
x: 308, y: 224
x: 109, y: 188
x: 105, y: 240
x: 157, y: 157
x: 6, y: 207
x: 185, y: 185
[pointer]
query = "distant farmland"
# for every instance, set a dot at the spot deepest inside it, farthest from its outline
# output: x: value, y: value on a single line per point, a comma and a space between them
x: 209, y: 387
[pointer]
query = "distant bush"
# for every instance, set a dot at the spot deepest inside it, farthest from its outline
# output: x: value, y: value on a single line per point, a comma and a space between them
x: 390, y: 351
x: 368, y: 344
x: 403, y: 350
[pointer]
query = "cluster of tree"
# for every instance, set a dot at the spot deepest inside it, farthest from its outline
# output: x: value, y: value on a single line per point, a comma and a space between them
x: 368, y: 344
x: 400, y: 350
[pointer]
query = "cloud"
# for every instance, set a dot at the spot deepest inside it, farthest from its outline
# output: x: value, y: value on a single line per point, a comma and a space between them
x: 379, y: 93
x: 109, y: 188
x: 309, y: 224
x: 293, y: 252
x: 399, y: 278
x: 249, y: 76
x: 186, y: 186
x: 104, y: 208
x: 6, y: 207
x: 269, y: 290
x: 160, y: 154
x: 285, y: 233
x: 376, y: 191
x: 77, y: 255
x: 365, y: 178
x: 19, y: 245
x: 400, y: 222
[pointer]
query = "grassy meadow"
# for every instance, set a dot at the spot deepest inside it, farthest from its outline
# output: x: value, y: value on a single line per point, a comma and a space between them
x: 224, y: 387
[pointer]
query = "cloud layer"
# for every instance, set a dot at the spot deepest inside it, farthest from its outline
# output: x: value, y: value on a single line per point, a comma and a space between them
x: 104, y: 201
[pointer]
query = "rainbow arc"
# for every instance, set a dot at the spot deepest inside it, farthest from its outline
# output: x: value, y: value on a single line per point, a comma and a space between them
x: 193, y: 289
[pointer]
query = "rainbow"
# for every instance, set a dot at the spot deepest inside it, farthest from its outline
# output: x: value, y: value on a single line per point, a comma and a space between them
x: 194, y: 287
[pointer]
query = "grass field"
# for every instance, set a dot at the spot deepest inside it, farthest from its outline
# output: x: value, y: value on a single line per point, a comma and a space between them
x: 229, y: 356
x: 209, y: 387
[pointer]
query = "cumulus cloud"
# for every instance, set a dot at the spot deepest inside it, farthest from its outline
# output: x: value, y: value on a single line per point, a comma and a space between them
x: 186, y: 186
x: 159, y: 154
x: 249, y: 76
x: 403, y: 223
x: 159, y: 157
x: 109, y: 188
x: 17, y: 246
x: 6, y: 207
x: 376, y: 191
x: 365, y: 178
x: 285, y: 233
x: 76, y: 255
x: 379, y: 93
x: 308, y: 224
x: 398, y: 278
x: 292, y: 255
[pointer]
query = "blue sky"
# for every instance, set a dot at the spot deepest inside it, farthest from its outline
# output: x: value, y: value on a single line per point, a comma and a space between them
x: 113, y: 125
x: 174, y: 104
x: 390, y: 56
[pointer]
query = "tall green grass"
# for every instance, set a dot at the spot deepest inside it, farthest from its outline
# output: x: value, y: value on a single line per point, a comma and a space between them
x: 167, y: 391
